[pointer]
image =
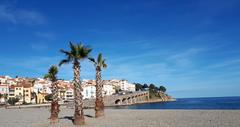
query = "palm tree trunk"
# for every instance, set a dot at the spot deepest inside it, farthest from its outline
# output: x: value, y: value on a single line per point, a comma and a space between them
x: 79, y: 115
x: 99, y: 105
x: 54, y: 105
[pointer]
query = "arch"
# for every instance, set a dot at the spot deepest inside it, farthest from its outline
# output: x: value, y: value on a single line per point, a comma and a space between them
x: 118, y: 101
x: 124, y: 100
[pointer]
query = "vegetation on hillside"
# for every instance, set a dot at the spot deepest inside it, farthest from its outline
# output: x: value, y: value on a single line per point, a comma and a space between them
x: 154, y: 91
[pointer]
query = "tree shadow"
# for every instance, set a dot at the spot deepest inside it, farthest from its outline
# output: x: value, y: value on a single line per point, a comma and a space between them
x: 68, y: 118
x: 72, y: 119
x: 89, y: 116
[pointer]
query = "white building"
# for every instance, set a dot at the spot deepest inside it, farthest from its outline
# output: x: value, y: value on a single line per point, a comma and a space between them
x: 69, y: 94
x: 7, y: 80
x: 42, y: 86
x: 126, y: 86
x: 108, y: 89
x: 89, y: 89
x: 122, y: 84
x: 3, y: 90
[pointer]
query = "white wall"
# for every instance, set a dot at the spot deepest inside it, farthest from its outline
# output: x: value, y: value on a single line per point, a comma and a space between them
x: 89, y: 92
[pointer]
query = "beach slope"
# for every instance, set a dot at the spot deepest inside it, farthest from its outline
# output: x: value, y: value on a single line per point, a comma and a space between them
x: 38, y: 117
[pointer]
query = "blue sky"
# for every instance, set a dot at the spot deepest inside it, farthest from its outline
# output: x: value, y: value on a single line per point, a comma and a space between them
x: 190, y: 46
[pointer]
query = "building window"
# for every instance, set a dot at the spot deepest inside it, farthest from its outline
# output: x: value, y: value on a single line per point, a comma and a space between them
x: 86, y: 92
x: 26, y: 90
x: 16, y: 88
x: 27, y: 95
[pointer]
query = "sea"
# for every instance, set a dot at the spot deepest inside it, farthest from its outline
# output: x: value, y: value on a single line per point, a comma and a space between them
x: 206, y: 103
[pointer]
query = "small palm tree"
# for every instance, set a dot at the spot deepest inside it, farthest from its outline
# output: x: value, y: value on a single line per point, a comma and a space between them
x: 99, y: 104
x: 51, y: 75
x: 77, y: 53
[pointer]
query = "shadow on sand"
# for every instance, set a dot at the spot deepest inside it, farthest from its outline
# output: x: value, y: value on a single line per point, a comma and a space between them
x: 71, y: 117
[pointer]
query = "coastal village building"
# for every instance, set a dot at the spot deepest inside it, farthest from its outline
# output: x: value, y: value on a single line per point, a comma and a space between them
x: 5, y: 83
x: 4, y: 88
x: 11, y: 93
x: 65, y: 90
x: 40, y: 98
x: 109, y: 86
x: 89, y: 89
x: 62, y: 93
x: 18, y: 92
x: 124, y: 85
x: 5, y: 79
x: 41, y: 88
x: 23, y: 91
x: 108, y: 89
x: 27, y: 93
x: 69, y: 95
x: 34, y: 90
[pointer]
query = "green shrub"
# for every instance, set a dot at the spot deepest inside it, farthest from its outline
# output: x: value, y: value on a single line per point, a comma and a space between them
x: 13, y: 101
x: 49, y: 97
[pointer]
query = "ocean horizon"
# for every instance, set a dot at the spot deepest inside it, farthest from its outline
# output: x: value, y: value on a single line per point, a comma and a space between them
x: 199, y: 103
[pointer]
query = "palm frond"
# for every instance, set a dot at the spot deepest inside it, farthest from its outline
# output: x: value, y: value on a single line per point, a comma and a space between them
x: 72, y: 46
x: 52, y: 72
x: 99, y: 59
x: 67, y: 53
x: 77, y: 52
x: 84, y: 52
x: 65, y: 61
x: 104, y: 65
x: 92, y: 60
x: 46, y: 76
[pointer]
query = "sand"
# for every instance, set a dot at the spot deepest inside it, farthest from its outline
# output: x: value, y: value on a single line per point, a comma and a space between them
x: 38, y: 117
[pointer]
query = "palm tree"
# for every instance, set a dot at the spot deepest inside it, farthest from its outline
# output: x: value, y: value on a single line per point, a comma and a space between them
x: 77, y: 53
x: 51, y: 75
x: 99, y: 105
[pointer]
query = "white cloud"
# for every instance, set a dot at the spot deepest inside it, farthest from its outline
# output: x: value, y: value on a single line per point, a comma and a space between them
x: 39, y: 46
x: 20, y: 16
x: 185, y: 58
x: 225, y: 63
x: 46, y: 35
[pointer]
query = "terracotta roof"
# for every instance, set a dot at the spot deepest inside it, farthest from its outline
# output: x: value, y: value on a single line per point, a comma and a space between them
x: 24, y: 84
x: 12, y: 79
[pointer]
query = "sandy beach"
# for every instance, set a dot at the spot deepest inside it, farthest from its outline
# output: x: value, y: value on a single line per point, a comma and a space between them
x: 38, y: 117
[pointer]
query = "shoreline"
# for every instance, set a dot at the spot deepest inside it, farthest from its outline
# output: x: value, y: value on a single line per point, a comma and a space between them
x: 46, y: 105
